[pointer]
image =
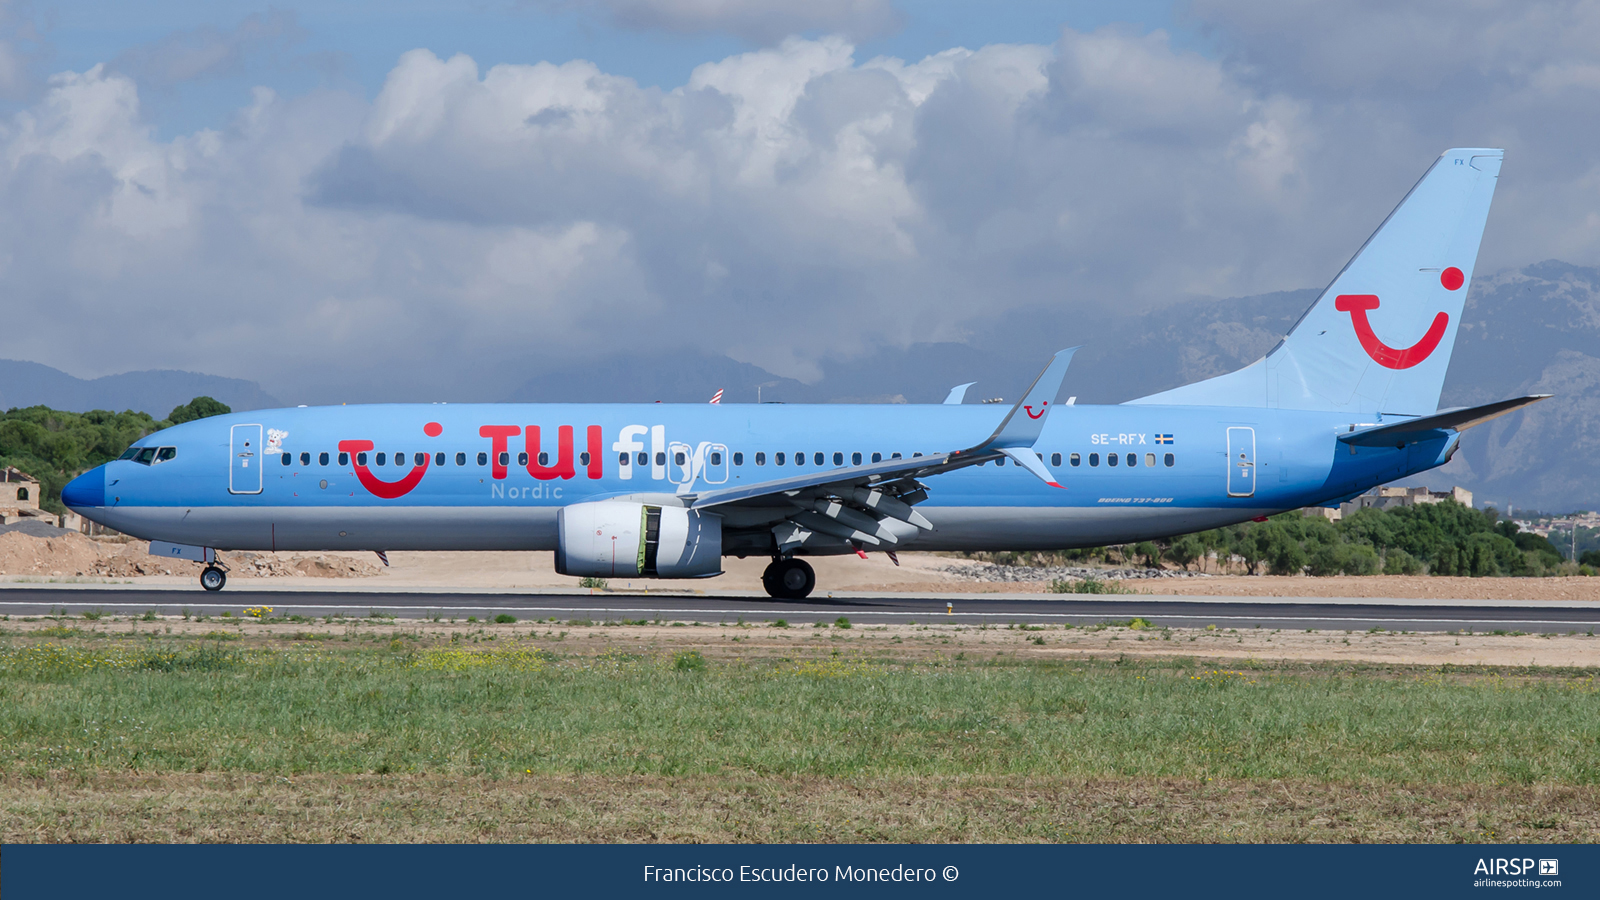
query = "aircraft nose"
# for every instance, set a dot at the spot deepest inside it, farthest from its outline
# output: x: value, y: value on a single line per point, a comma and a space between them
x: 86, y: 491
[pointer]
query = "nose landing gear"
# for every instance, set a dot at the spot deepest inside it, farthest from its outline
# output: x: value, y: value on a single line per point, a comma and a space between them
x: 789, y: 579
x: 213, y: 578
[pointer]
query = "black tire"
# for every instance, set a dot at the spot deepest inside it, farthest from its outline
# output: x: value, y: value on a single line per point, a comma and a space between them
x: 213, y: 578
x: 789, y: 579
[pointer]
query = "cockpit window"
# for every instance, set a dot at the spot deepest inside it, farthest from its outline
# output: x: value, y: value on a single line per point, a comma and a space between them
x: 166, y: 453
x: 146, y: 454
x: 130, y: 453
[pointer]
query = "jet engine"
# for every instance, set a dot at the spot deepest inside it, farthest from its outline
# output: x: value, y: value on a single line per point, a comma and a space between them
x: 618, y: 538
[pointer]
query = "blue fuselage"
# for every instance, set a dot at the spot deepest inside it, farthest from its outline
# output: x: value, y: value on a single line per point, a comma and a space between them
x: 457, y: 477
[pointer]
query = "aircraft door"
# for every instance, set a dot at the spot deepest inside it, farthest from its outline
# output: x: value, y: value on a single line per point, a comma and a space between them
x: 244, y: 474
x: 715, y: 469
x: 1241, y: 461
x: 680, y: 463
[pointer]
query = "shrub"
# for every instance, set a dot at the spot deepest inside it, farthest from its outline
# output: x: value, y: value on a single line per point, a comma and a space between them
x: 1399, y: 562
x: 688, y: 661
x: 505, y: 619
x: 1088, y: 586
x: 597, y: 584
x: 841, y: 622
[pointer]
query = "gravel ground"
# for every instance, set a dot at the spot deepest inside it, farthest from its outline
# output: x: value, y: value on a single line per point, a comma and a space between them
x: 989, y: 572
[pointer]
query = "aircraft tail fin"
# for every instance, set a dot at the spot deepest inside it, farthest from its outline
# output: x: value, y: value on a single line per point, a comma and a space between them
x: 1379, y: 338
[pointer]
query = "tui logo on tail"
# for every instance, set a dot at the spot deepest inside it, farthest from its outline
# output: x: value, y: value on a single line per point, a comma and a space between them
x: 1383, y: 354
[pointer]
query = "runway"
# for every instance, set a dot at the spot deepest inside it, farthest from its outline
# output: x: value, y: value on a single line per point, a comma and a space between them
x: 1223, y: 612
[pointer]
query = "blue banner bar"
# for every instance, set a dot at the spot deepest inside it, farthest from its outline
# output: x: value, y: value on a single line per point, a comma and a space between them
x: 308, y: 872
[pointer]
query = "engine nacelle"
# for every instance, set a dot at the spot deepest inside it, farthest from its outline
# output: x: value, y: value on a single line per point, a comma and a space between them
x: 619, y: 538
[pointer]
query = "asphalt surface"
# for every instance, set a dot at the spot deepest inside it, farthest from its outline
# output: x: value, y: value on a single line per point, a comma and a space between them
x: 1321, y: 614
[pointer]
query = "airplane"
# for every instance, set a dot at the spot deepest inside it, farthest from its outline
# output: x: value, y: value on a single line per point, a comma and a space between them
x: 1347, y: 400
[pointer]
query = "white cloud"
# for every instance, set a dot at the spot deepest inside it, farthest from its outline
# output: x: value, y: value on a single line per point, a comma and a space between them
x: 464, y: 229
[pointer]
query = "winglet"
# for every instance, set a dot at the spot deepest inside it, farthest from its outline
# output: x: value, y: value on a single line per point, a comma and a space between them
x: 1030, y: 460
x: 957, y: 394
x: 1023, y: 430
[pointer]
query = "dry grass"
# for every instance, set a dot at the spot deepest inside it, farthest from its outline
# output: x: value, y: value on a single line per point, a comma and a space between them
x: 123, y: 807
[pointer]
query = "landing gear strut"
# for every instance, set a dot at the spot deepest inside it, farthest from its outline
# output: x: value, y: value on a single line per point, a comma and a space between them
x: 789, y: 579
x: 213, y: 578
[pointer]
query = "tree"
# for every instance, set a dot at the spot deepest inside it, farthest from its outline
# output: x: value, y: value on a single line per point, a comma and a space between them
x: 198, y: 408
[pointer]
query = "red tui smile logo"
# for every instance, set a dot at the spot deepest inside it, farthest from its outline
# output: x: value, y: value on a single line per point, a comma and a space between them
x: 1035, y: 415
x: 1383, y: 354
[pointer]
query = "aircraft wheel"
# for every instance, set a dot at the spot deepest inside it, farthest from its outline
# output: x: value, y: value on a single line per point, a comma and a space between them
x: 213, y: 578
x: 789, y: 579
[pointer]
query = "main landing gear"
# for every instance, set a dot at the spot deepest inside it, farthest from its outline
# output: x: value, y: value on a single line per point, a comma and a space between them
x: 213, y: 578
x: 789, y: 579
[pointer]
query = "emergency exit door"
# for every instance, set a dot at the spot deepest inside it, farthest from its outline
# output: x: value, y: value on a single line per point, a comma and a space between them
x: 1241, y: 461
x: 244, y: 473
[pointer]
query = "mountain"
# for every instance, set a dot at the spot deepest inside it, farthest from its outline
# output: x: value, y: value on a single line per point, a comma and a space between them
x: 155, y: 391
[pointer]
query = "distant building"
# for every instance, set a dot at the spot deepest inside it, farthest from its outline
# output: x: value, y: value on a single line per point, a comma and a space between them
x: 1394, y: 497
x: 19, y: 497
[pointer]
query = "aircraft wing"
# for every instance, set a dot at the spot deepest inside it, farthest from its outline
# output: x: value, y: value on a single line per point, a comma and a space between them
x: 1413, y: 430
x: 851, y: 503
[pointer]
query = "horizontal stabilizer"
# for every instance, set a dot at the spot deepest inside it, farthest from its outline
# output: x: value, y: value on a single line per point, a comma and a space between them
x: 1452, y: 419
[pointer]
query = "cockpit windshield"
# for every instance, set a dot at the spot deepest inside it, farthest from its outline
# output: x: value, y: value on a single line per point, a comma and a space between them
x: 149, y: 455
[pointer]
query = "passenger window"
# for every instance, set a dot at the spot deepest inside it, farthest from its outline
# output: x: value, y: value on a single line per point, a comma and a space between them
x: 817, y: 458
x: 1055, y: 459
x: 799, y: 459
x: 583, y: 459
x: 1094, y: 459
x: 461, y: 459
x: 344, y: 459
x: 305, y: 458
x: 438, y: 458
x: 522, y: 459
x: 622, y: 458
x: 677, y: 458
x: 544, y: 458
x: 1133, y: 460
x: 288, y: 459
x: 1112, y: 459
x: 661, y: 459
x: 483, y: 459
x: 838, y: 458
x: 761, y: 459
x: 383, y: 459
x: 716, y: 459
x: 146, y: 454
x: 738, y: 459
x: 894, y: 456
x: 322, y: 458
x: 855, y: 459
x: 1075, y: 459
x: 777, y: 459
x: 1170, y: 460
x: 915, y: 455
x: 166, y: 453
x: 419, y: 459
x: 361, y: 458
x: 1150, y: 460
x: 877, y: 457
x: 505, y: 457
x: 644, y: 458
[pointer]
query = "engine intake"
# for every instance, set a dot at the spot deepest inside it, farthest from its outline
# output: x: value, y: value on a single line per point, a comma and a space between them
x: 618, y: 538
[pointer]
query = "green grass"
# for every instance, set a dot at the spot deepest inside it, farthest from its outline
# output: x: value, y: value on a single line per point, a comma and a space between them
x: 214, y: 708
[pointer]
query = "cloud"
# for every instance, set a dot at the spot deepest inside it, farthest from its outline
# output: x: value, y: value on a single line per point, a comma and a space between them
x: 465, y: 230
x: 761, y: 21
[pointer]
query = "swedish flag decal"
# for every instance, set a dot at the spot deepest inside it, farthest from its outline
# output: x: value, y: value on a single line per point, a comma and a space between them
x: 1164, y: 439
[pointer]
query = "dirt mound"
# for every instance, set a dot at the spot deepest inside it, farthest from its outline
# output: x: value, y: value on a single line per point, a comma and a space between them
x: 73, y: 555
